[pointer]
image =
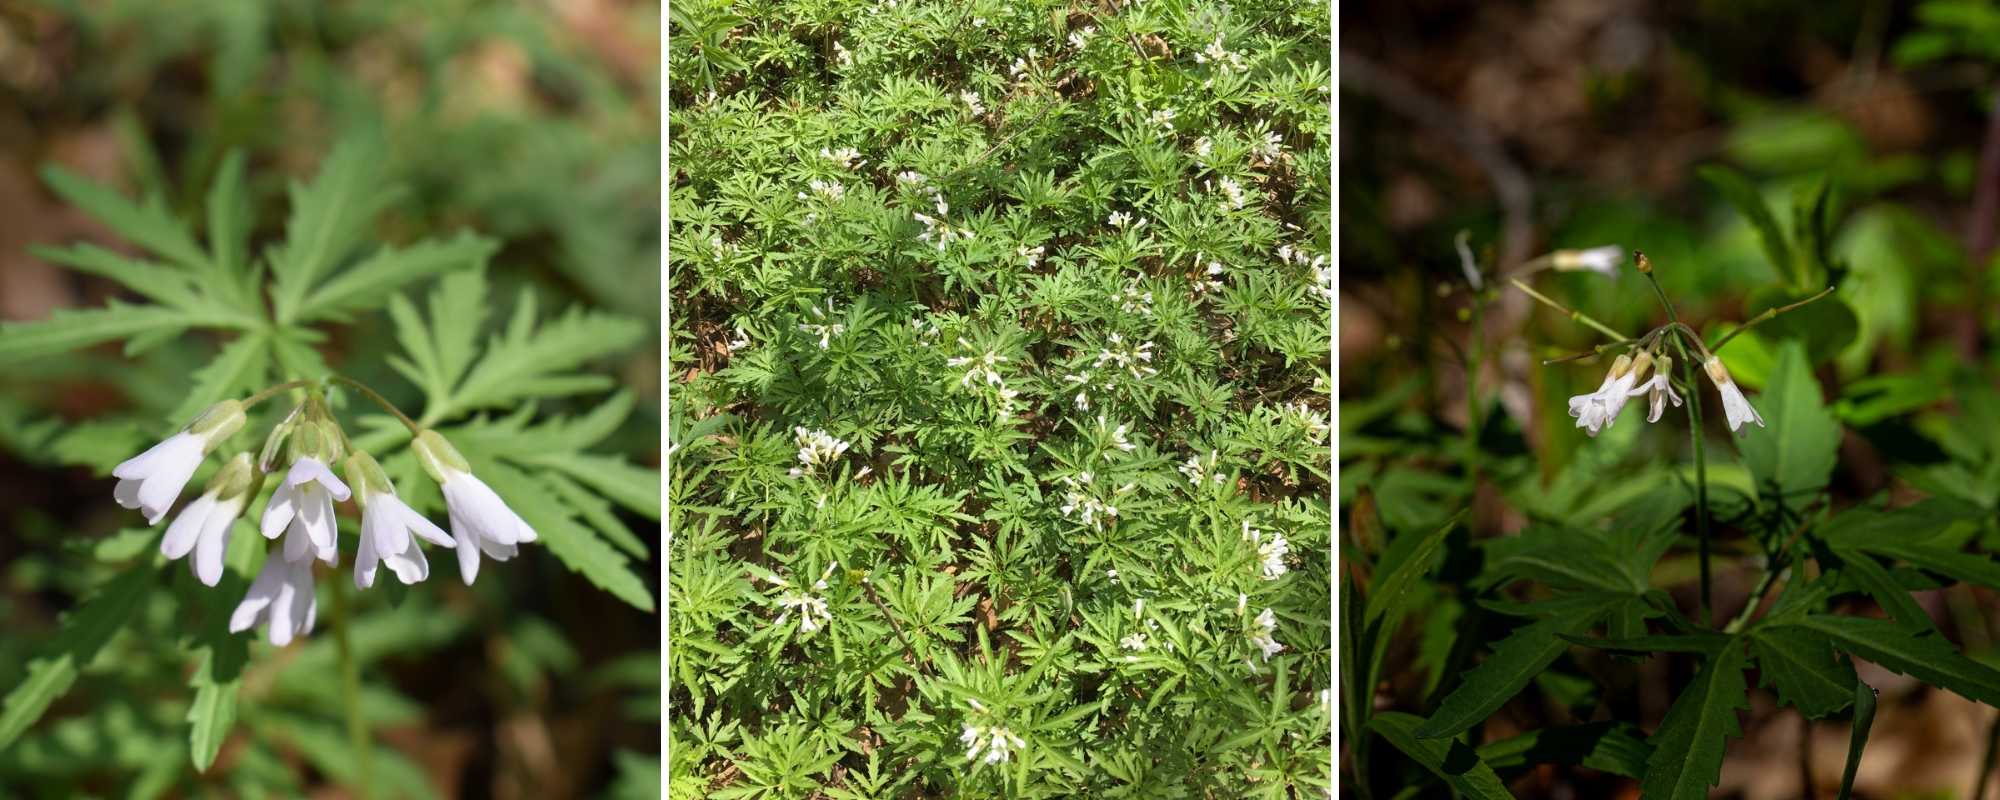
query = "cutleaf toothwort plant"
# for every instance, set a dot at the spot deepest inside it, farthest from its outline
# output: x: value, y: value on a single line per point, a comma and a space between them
x: 999, y: 445
x: 499, y: 484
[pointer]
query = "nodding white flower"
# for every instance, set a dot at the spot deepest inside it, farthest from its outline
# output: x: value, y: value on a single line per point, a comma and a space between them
x: 1082, y: 380
x: 1135, y: 641
x: 281, y: 595
x: 972, y: 101
x: 1032, y: 254
x: 816, y: 449
x: 204, y: 524
x: 386, y: 525
x: 1602, y: 260
x: 480, y: 521
x: 911, y: 177
x: 1323, y: 282
x: 1118, y: 439
x: 1599, y: 410
x: 1735, y: 406
x: 830, y: 190
x: 826, y: 331
x: 1305, y: 417
x: 1235, y: 192
x: 1081, y: 498
x: 1224, y: 61
x: 1271, y: 554
x: 808, y: 605
x: 982, y: 367
x: 1119, y: 219
x: 846, y: 157
x: 1134, y: 301
x: 1163, y: 119
x: 997, y: 742
x: 1112, y: 574
x: 1659, y: 389
x: 741, y: 341
x: 1266, y: 143
x: 152, y: 480
x: 1197, y: 472
x: 1204, y: 148
x: 303, y: 508
x: 1007, y: 402
x: 1127, y: 357
x: 1078, y: 39
x: 841, y: 56
x: 1261, y: 633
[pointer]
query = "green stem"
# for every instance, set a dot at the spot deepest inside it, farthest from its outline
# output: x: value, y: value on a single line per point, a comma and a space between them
x: 1694, y: 423
x: 1576, y: 316
x: 350, y: 692
x: 407, y: 423
x: 268, y: 393
x: 1767, y: 316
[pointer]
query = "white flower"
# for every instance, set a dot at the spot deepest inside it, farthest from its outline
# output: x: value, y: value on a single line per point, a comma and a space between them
x: 281, y: 595
x: 846, y: 157
x: 997, y: 742
x: 1081, y: 498
x: 1735, y: 406
x: 1271, y: 554
x: 386, y: 525
x: 816, y: 449
x: 204, y: 525
x: 1032, y: 254
x: 1078, y: 39
x: 1598, y: 410
x: 152, y: 480
x: 1235, y: 192
x: 1203, y: 148
x: 303, y: 508
x: 840, y: 54
x: 911, y: 177
x: 1266, y: 143
x: 1660, y: 389
x: 1161, y: 118
x: 1119, y: 219
x: 972, y: 101
x: 1127, y: 357
x: 741, y: 341
x: 1134, y: 301
x: 1224, y: 61
x: 480, y: 520
x: 1603, y: 260
x: 1260, y: 634
x: 829, y: 190
x: 826, y: 331
x: 1197, y: 472
x: 1135, y: 641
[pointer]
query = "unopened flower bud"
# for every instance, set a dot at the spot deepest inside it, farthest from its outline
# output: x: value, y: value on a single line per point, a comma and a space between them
x: 1644, y: 264
x: 235, y: 479
x: 218, y: 423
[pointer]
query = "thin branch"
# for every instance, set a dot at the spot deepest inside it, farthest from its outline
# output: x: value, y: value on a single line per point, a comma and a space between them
x: 1768, y: 314
x: 1576, y: 316
x: 1595, y: 351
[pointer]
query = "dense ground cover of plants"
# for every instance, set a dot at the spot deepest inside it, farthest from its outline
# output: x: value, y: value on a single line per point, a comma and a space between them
x: 998, y: 420
x: 454, y: 204
x: 1544, y: 603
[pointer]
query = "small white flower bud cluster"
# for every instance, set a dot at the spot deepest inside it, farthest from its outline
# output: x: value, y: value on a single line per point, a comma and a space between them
x: 723, y: 250
x: 998, y: 743
x: 832, y: 191
x: 847, y: 157
x: 1271, y: 554
x: 1197, y: 471
x: 1033, y: 255
x: 1225, y: 61
x: 816, y: 449
x: 1305, y: 417
x: 1081, y: 38
x: 1134, y: 301
x: 1081, y: 499
x: 971, y: 99
x: 938, y: 232
x: 806, y: 603
x: 825, y: 330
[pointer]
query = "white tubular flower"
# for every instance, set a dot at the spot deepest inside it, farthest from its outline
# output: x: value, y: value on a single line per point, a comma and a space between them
x: 1659, y: 389
x: 1735, y: 406
x: 386, y: 525
x: 480, y: 520
x: 1261, y: 632
x: 281, y: 595
x: 1271, y: 554
x: 303, y: 506
x: 816, y: 449
x: 152, y: 480
x: 972, y: 102
x: 1135, y: 641
x: 998, y: 743
x: 1601, y: 260
x: 1598, y: 410
x: 203, y: 526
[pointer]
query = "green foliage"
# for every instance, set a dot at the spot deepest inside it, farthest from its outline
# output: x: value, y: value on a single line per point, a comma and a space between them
x: 998, y: 347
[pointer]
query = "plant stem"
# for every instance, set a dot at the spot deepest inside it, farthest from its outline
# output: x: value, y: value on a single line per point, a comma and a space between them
x: 350, y: 692
x: 1576, y: 316
x: 407, y: 423
x: 1694, y: 423
x: 1768, y: 314
x: 268, y: 393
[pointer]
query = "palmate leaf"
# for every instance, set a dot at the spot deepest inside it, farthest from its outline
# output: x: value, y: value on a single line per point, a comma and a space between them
x: 69, y: 329
x: 149, y: 224
x: 1795, y: 452
x: 1449, y: 759
x: 329, y: 217
x: 1804, y: 669
x: 84, y: 632
x: 1687, y: 758
x: 219, y: 674
x: 1616, y: 747
x: 1516, y: 660
x: 1928, y: 657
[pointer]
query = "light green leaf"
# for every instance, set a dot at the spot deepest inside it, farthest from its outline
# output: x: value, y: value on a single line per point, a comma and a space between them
x: 229, y: 221
x: 325, y: 745
x: 84, y: 632
x: 219, y: 675
x: 1794, y: 454
x: 522, y: 362
x: 1687, y: 758
x: 173, y: 287
x: 634, y: 487
x: 576, y: 545
x: 69, y: 329
x: 1449, y: 759
x: 149, y: 225
x: 598, y: 513
x: 361, y: 285
x: 243, y: 367
x: 329, y: 217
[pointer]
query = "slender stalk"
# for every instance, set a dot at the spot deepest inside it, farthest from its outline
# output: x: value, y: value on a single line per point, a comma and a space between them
x: 350, y: 693
x: 1768, y: 314
x: 407, y: 422
x: 268, y: 393
x: 1576, y: 316
x: 1645, y: 266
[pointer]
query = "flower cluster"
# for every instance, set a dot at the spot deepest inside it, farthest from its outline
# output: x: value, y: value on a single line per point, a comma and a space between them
x: 1266, y: 143
x: 1271, y: 554
x: 847, y: 157
x: 813, y: 611
x: 938, y: 232
x: 1162, y: 118
x: 816, y: 449
x: 1120, y: 219
x: 825, y: 330
x: 1599, y: 410
x: 832, y: 191
x: 1234, y: 191
x: 1116, y: 437
x: 1225, y: 61
x: 305, y: 447
x: 972, y: 102
x: 1197, y: 471
x: 1134, y: 301
x: 1127, y: 357
x: 1313, y: 422
x: 1209, y: 279
x: 1081, y: 498
x: 1262, y: 632
x: 982, y: 367
x: 996, y: 741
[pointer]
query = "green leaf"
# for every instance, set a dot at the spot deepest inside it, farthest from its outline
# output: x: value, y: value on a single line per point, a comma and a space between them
x: 229, y: 222
x: 1701, y: 642
x: 329, y: 217
x: 523, y: 362
x: 1862, y: 569
x: 162, y: 284
x: 1795, y: 453
x: 367, y: 282
x: 1928, y: 657
x: 598, y: 513
x: 149, y: 225
x: 1616, y: 747
x: 1687, y: 758
x: 325, y: 745
x: 242, y: 367
x: 1448, y: 759
x: 576, y: 545
x: 70, y: 329
x: 219, y: 676
x: 1387, y: 593
x: 1749, y: 202
x: 634, y: 487
x: 84, y: 632
x: 1804, y: 669
x: 1515, y: 661
x: 1864, y: 718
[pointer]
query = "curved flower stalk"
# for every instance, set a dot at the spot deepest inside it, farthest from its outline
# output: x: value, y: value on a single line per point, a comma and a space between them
x: 152, y: 480
x: 480, y: 521
x: 204, y: 525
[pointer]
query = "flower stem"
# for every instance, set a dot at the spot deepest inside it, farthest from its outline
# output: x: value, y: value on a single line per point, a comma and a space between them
x: 1766, y: 316
x: 1576, y: 316
x: 1694, y: 423
x: 350, y: 692
x: 268, y: 393
x: 407, y: 422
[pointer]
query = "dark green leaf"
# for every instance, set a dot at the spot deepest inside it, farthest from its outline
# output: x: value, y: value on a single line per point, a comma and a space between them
x: 1616, y: 747
x: 1928, y: 657
x: 1515, y: 661
x: 1687, y: 758
x: 84, y: 632
x: 1449, y: 759
x: 1702, y: 643
x: 1864, y: 718
x: 1804, y: 669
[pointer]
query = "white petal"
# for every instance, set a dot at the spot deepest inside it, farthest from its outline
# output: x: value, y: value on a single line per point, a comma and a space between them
x: 187, y: 527
x: 475, y: 505
x: 255, y: 608
x: 279, y: 512
x: 298, y: 541
x: 317, y: 511
x: 172, y: 450
x: 365, y: 556
x: 468, y: 551
x: 410, y: 565
x: 422, y: 526
x: 310, y: 469
x: 213, y: 546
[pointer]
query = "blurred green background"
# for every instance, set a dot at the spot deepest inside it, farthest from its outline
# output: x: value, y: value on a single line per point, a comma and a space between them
x: 533, y: 122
